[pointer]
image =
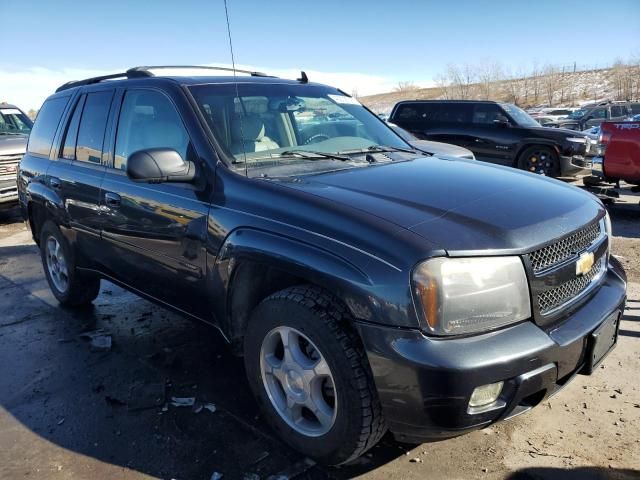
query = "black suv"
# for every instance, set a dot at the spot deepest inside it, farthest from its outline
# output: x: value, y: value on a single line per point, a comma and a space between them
x: 368, y: 286
x: 592, y: 115
x: 498, y: 133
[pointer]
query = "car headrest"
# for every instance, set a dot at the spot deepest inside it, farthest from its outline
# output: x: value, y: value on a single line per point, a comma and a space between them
x: 251, y: 127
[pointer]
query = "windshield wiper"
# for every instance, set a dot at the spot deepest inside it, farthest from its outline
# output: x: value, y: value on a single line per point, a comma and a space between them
x: 381, y: 149
x: 313, y: 155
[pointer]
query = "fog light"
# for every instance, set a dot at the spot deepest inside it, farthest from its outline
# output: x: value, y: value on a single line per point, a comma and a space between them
x: 485, y: 395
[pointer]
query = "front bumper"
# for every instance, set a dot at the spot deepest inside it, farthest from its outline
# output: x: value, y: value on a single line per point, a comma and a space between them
x: 425, y: 383
x: 8, y: 194
x: 570, y: 166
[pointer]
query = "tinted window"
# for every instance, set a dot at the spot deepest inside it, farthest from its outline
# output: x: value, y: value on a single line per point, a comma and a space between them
x: 148, y: 119
x: 488, y: 113
x: 415, y: 112
x: 598, y: 113
x: 455, y: 113
x: 618, y: 111
x: 46, y: 124
x: 92, y: 126
x: 69, y: 148
x: 635, y: 108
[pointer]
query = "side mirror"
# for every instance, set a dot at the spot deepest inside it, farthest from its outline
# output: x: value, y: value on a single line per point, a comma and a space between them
x: 501, y: 123
x: 157, y: 165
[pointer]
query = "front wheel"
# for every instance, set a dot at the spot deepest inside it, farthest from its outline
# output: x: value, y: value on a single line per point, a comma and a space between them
x: 540, y: 160
x: 310, y: 375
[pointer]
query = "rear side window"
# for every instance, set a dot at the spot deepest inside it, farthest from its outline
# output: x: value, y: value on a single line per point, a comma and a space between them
x: 455, y: 113
x: 635, y: 108
x: 69, y: 148
x: 415, y: 112
x: 46, y: 124
x: 148, y: 119
x: 92, y: 126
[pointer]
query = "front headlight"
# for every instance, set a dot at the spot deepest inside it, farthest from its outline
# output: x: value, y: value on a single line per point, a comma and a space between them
x: 469, y: 295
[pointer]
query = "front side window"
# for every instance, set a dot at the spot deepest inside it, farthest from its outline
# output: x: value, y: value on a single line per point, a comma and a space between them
x: 522, y: 118
x: 599, y: 113
x: 488, y: 114
x: 148, y: 119
x: 46, y: 124
x: 92, y: 126
x: 290, y: 123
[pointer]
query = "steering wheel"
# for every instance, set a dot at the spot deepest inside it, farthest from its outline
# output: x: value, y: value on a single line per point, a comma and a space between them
x: 318, y: 137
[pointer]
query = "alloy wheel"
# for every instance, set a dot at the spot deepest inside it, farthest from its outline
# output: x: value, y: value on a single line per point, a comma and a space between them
x: 298, y: 381
x: 57, y: 264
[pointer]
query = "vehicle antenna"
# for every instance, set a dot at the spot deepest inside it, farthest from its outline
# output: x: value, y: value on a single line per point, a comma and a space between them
x: 235, y: 80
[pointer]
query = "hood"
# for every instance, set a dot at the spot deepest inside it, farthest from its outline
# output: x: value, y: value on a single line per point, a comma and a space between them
x: 439, y: 148
x: 13, y: 144
x: 557, y: 132
x: 461, y: 206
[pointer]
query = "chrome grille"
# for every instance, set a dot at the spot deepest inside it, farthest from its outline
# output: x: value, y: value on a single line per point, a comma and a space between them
x: 9, y: 164
x: 565, y: 248
x: 558, y: 296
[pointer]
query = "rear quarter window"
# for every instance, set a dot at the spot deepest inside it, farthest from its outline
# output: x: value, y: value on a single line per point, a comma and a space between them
x: 44, y: 129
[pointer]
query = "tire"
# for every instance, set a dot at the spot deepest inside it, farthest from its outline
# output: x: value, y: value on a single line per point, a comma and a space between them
x: 70, y: 287
x: 324, y: 329
x: 540, y: 160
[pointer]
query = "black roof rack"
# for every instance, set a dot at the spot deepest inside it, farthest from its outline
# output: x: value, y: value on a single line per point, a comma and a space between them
x: 144, y: 71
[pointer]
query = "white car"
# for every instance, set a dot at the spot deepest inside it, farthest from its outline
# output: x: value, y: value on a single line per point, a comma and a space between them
x: 435, y: 148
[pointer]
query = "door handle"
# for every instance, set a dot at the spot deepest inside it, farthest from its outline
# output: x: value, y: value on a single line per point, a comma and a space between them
x: 55, y: 183
x: 112, y: 199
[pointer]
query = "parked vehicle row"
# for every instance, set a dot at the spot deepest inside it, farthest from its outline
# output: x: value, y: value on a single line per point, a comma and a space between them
x: 369, y: 287
x: 15, y: 127
x: 498, y: 133
x: 592, y: 115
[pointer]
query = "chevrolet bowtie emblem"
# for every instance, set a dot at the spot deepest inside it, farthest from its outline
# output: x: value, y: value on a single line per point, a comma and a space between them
x: 584, y: 263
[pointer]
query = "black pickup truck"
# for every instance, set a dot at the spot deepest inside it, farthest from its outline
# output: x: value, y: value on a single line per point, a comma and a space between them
x: 498, y: 133
x: 369, y: 287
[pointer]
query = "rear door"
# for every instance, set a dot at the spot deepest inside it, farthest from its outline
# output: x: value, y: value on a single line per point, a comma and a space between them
x: 154, y: 234
x: 77, y: 172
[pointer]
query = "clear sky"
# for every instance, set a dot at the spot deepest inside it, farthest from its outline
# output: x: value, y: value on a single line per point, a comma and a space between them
x: 363, y: 44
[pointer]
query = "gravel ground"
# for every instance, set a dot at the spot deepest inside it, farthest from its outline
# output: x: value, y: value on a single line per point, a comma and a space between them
x: 70, y: 412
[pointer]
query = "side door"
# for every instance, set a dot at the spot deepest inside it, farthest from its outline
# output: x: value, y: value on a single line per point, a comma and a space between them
x: 618, y: 113
x: 448, y: 122
x: 154, y: 234
x: 493, y: 136
x: 595, y: 117
x: 77, y: 173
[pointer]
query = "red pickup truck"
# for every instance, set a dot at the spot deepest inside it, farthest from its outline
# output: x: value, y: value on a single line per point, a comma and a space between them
x: 620, y: 152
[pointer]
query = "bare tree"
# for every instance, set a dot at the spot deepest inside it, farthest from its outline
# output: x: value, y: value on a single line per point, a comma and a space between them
x: 550, y: 82
x: 461, y: 79
x: 536, y: 83
x: 405, y: 86
x: 489, y: 73
x: 443, y: 83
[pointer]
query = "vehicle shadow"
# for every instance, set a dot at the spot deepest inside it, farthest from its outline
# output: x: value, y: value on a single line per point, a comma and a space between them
x: 115, y: 404
x: 580, y: 473
x: 625, y: 220
x: 10, y: 216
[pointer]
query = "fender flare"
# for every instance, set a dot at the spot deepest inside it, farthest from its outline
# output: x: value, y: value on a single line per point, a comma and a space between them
x: 312, y: 263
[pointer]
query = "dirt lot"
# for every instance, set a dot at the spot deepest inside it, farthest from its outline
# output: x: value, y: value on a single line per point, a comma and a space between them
x: 69, y: 412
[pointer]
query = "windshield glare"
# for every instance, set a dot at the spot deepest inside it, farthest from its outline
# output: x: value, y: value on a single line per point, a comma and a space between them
x: 521, y: 117
x: 13, y: 121
x: 263, y: 123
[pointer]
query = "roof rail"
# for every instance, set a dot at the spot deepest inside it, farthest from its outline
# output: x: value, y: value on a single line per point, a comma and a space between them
x: 89, y: 81
x: 144, y: 71
x: 224, y: 69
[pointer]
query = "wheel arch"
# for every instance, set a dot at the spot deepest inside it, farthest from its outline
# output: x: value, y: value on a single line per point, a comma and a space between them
x: 42, y: 204
x: 254, y: 264
x: 525, y: 144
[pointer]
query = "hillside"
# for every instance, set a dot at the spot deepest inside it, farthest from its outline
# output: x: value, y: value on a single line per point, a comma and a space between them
x: 553, y: 88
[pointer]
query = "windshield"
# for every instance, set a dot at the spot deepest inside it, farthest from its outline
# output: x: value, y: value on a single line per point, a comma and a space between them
x: 276, y: 124
x: 14, y: 122
x: 577, y: 114
x: 522, y: 118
